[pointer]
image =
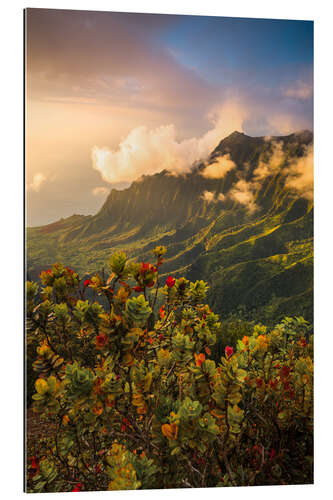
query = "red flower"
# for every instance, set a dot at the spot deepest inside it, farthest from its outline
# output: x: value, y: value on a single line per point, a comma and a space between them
x: 259, y: 382
x: 144, y: 267
x: 208, y: 351
x: 285, y: 371
x: 170, y: 282
x: 34, y: 463
x: 287, y: 386
x: 292, y: 394
x: 86, y: 283
x: 161, y: 337
x: 100, y: 341
x: 274, y: 383
x: 150, y: 340
x: 138, y: 289
x: 77, y: 487
x: 49, y: 271
x: 229, y: 351
x: 272, y: 453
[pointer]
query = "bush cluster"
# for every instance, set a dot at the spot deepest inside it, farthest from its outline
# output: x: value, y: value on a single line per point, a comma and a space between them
x: 133, y: 398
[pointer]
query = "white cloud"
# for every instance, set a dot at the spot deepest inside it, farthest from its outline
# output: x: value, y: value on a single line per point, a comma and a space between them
x: 297, y: 171
x: 145, y: 152
x: 219, y: 168
x: 273, y: 165
x: 208, y: 196
x: 242, y: 192
x: 300, y: 174
x: 37, y: 181
x: 100, y: 191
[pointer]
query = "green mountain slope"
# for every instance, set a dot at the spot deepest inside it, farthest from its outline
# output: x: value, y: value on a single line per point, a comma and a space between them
x: 260, y: 258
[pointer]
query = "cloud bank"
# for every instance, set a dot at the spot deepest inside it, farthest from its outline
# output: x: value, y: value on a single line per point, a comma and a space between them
x: 299, y: 90
x: 146, y: 152
x: 298, y: 173
x: 271, y: 167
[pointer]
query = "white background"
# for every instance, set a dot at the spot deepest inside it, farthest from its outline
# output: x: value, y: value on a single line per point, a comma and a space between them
x: 11, y: 268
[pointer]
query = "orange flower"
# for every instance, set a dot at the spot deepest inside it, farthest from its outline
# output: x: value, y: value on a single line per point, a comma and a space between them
x: 170, y: 431
x: 245, y: 340
x: 199, y: 359
x: 97, y: 386
x: 208, y: 351
x: 144, y: 267
x: 65, y: 419
x: 302, y: 342
x: 262, y: 342
x: 162, y: 312
x: 98, y: 409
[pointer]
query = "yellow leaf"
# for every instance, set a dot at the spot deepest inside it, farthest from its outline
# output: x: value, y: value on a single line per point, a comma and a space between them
x: 128, y: 359
x: 41, y: 386
x: 148, y: 380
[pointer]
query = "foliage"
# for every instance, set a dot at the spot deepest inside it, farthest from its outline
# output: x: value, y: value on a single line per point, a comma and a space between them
x: 135, y: 399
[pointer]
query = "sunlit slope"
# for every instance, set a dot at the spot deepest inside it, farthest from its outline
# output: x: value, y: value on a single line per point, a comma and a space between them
x: 259, y: 258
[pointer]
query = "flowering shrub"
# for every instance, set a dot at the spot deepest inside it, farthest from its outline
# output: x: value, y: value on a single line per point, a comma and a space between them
x: 133, y: 398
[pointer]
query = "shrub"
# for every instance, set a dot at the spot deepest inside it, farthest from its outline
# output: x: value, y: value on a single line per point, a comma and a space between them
x: 133, y: 399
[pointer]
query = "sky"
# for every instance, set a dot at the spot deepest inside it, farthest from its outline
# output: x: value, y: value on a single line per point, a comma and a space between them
x: 112, y: 96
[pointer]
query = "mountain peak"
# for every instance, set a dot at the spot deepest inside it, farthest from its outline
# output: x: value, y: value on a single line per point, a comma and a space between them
x: 235, y: 134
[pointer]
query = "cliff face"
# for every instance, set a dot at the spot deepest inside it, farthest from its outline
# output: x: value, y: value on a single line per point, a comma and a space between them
x: 254, y: 245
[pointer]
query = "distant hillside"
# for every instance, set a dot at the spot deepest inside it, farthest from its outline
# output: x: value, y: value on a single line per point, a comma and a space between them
x: 257, y: 254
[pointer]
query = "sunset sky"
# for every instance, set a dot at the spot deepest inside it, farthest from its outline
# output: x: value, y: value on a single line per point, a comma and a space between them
x: 112, y: 96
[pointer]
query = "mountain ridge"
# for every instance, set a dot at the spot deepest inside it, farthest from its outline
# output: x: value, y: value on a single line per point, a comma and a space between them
x: 217, y: 239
